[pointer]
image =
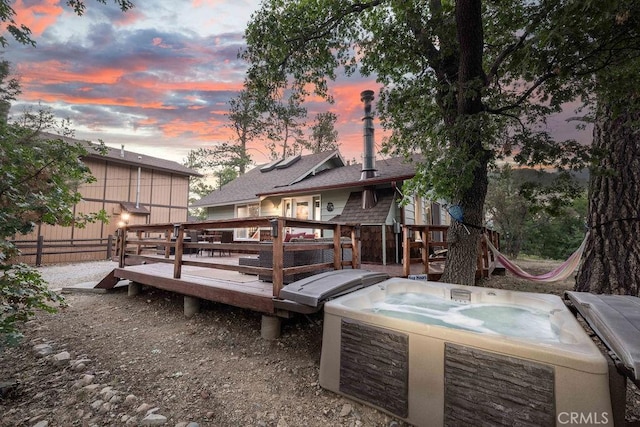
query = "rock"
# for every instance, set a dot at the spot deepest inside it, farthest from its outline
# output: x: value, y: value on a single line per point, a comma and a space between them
x: 130, y: 399
x: 193, y: 424
x: 97, y: 404
x: 282, y: 422
x: 42, y: 423
x: 80, y: 367
x: 106, y: 407
x: 43, y: 349
x: 62, y: 358
x: 108, y: 395
x: 346, y: 410
x: 124, y: 418
x: 115, y: 399
x: 152, y: 411
x: 143, y: 408
x: 8, y: 388
x: 86, y: 380
x: 153, y: 420
x: 181, y: 424
x: 106, y: 390
x: 91, y: 387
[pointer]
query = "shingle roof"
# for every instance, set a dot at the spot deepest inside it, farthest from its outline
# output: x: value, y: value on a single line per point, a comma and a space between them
x: 128, y: 157
x: 388, y: 170
x: 353, y: 211
x: 255, y: 184
x: 249, y: 186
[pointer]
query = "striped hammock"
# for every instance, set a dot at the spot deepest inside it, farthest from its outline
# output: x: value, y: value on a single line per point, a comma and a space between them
x: 561, y: 272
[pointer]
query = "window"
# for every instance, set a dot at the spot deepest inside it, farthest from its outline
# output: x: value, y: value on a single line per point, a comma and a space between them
x: 246, y: 211
x: 302, y: 208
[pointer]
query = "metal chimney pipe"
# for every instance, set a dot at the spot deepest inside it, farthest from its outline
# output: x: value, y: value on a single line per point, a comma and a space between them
x: 369, y: 160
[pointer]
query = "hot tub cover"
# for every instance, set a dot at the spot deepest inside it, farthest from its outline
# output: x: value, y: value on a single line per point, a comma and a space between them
x: 616, y: 320
x: 316, y: 289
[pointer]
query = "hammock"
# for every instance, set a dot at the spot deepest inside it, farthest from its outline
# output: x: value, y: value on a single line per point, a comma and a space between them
x: 561, y: 272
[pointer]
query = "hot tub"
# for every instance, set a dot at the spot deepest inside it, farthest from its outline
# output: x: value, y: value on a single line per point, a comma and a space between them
x: 437, y: 354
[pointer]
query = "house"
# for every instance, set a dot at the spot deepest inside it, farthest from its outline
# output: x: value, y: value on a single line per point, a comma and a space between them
x: 132, y: 188
x: 324, y: 187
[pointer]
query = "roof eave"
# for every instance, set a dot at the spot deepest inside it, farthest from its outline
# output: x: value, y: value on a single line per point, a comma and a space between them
x: 352, y: 184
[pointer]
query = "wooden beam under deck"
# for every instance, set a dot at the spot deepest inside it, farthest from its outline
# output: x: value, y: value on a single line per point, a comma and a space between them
x: 245, y: 292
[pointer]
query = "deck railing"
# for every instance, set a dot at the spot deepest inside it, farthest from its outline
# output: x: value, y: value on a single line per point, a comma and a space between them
x: 170, y: 242
x: 430, y: 241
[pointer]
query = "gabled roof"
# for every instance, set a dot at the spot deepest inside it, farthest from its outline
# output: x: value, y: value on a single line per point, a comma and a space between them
x: 261, y: 179
x: 315, y: 172
x: 126, y: 157
x: 387, y: 170
x: 353, y: 211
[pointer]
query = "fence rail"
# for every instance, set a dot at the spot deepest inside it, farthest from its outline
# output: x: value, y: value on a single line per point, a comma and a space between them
x: 41, y: 247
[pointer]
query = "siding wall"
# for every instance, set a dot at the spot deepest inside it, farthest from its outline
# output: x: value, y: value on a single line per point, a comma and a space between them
x: 163, y: 194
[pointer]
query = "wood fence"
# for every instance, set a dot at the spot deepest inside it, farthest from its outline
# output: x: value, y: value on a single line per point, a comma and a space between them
x: 35, y: 251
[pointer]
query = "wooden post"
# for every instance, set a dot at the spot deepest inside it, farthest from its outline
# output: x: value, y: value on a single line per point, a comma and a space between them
x: 167, y: 247
x: 110, y: 246
x: 123, y: 246
x: 177, y: 263
x: 425, y: 249
x: 337, y: 248
x: 427, y: 240
x: 39, y: 250
x: 355, y: 246
x: 139, y: 237
x: 406, y: 251
x: 278, y: 255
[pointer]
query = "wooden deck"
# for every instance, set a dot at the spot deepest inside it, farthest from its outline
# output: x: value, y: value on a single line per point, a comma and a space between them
x: 227, y: 287
x: 159, y: 255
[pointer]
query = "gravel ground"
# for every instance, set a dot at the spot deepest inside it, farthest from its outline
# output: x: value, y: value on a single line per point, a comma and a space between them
x: 58, y: 276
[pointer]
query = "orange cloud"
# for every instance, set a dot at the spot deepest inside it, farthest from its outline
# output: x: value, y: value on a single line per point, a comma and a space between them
x: 37, y: 17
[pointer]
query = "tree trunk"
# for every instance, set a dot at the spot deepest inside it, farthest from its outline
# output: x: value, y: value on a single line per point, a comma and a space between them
x: 463, y: 242
x: 611, y: 261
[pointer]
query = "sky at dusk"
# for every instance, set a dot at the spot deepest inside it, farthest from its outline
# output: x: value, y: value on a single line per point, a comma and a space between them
x: 157, y: 78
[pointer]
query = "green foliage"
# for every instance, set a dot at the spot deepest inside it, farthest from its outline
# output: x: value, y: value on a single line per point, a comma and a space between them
x: 538, y: 212
x: 283, y: 124
x: 464, y: 83
x: 556, y: 236
x: 533, y: 56
x: 324, y: 136
x: 41, y: 175
x: 22, y: 292
x: 22, y: 33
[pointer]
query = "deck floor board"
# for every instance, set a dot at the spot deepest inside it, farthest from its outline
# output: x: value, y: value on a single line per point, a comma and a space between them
x: 223, y: 286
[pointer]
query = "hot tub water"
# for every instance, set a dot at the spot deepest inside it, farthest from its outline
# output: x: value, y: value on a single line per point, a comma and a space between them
x: 497, y: 319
